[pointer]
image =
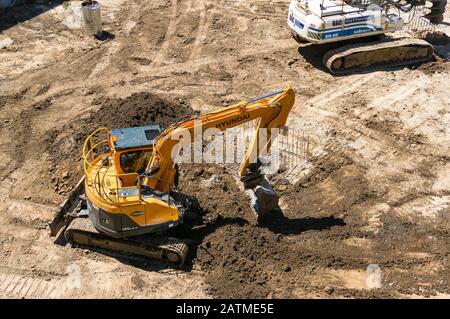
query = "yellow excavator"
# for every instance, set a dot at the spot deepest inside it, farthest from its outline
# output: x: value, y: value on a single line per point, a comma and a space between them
x: 129, y: 189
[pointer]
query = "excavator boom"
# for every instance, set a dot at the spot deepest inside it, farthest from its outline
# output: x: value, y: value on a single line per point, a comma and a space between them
x: 271, y: 109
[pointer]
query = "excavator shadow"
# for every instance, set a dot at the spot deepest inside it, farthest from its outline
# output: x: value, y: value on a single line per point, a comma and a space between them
x: 441, y: 44
x: 277, y: 223
x: 23, y: 11
x: 193, y: 235
x: 147, y: 264
x: 313, y: 54
x: 280, y: 224
x: 127, y: 259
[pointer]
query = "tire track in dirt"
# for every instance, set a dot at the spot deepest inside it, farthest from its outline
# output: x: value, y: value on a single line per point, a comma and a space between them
x: 110, y: 279
x: 190, y: 65
x: 27, y: 211
x: 105, y: 60
x: 353, y: 131
x: 32, y: 287
x: 418, y: 209
x: 193, y: 6
x: 250, y: 10
x: 160, y: 56
x: 201, y: 31
x: 325, y: 102
x: 327, y: 106
x: 18, y: 285
x: 427, y: 208
x: 17, y: 231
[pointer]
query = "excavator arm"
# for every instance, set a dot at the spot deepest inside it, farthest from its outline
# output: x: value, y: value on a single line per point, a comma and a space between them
x: 271, y: 109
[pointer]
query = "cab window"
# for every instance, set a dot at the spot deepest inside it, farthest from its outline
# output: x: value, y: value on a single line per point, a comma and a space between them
x: 134, y: 161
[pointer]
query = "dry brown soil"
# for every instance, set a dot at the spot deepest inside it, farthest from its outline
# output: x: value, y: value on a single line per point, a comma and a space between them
x: 375, y: 191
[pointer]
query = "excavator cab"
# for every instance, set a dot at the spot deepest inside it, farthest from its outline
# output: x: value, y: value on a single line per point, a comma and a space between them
x: 133, y: 147
x: 117, y: 204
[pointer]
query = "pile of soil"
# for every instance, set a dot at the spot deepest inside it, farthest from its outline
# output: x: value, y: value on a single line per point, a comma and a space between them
x: 264, y: 261
x: 227, y: 244
x: 64, y: 144
x: 435, y: 65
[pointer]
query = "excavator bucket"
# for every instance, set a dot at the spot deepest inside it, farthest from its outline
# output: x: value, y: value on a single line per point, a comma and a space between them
x: 68, y: 210
x: 263, y: 198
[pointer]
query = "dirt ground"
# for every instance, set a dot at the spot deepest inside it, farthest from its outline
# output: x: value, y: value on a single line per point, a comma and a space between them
x: 374, y: 197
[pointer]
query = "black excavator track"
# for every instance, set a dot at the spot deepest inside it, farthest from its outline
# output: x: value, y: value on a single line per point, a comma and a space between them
x: 371, y: 55
x: 174, y: 251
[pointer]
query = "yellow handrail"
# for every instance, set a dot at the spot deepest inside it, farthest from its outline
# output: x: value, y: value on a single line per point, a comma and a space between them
x: 92, y: 142
x: 90, y: 151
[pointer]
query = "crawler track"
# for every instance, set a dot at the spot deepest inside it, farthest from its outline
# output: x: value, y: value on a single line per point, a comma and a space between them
x: 366, y: 56
x: 81, y: 231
